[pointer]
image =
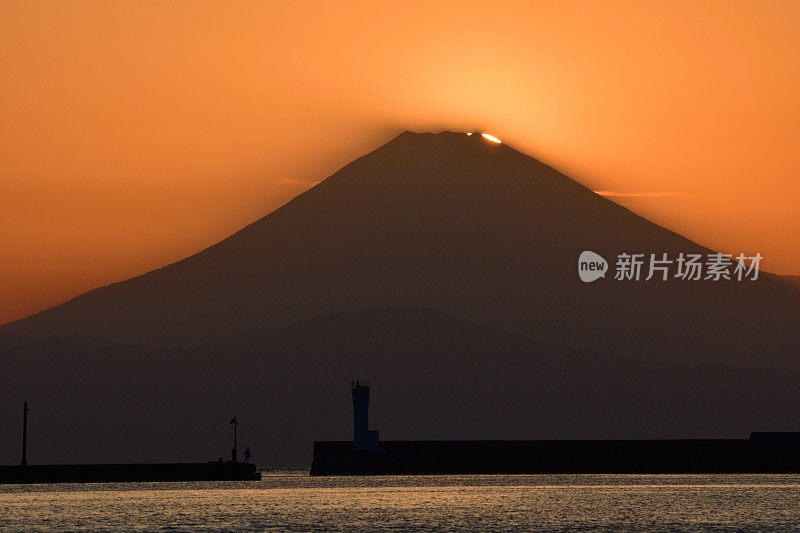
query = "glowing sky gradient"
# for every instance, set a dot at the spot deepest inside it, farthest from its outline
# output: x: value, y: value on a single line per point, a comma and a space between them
x: 135, y: 133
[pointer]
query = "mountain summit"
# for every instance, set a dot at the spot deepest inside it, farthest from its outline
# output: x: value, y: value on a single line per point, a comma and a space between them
x: 454, y: 223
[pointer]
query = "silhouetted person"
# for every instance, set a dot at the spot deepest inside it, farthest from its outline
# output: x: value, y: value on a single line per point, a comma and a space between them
x: 247, y: 454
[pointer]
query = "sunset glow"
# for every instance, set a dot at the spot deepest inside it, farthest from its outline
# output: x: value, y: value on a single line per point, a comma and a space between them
x: 136, y: 133
x: 491, y: 138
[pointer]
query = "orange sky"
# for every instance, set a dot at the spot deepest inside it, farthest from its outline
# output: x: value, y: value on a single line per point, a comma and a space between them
x: 134, y: 133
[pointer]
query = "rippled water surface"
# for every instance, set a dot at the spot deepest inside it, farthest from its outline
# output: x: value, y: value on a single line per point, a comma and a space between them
x: 291, y: 500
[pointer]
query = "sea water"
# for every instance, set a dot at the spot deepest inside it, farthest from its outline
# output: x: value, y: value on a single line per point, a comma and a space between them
x: 294, y: 501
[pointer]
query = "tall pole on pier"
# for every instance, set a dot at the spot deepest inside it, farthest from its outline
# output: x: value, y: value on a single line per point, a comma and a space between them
x: 24, y: 461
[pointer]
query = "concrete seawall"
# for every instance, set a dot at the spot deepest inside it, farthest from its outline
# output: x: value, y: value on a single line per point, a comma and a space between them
x: 559, y: 456
x: 212, y: 471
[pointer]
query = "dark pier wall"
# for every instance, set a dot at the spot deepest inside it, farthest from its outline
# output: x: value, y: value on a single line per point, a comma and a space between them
x: 213, y: 471
x: 552, y: 456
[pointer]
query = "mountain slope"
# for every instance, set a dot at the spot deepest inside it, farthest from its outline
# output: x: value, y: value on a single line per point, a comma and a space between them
x: 457, y: 224
x: 795, y: 280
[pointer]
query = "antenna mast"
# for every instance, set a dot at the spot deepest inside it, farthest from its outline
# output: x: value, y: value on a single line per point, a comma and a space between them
x: 24, y: 461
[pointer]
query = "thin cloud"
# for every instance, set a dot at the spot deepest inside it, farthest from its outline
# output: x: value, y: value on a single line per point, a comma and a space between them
x: 637, y: 194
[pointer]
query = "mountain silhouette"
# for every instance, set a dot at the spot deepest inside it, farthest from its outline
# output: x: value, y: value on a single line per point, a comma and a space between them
x: 432, y: 376
x: 793, y: 279
x: 457, y: 224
